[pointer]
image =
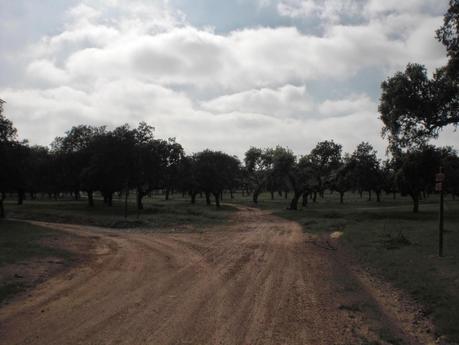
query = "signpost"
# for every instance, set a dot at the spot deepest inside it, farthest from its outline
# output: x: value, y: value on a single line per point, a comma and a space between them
x: 440, y: 179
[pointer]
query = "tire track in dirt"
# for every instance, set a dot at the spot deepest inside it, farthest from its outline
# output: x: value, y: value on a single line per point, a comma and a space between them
x: 255, y: 281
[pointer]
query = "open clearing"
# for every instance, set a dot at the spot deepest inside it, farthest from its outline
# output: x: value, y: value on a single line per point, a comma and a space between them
x: 257, y: 280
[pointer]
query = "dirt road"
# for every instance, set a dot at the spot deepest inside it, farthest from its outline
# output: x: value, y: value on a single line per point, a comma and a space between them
x: 257, y: 281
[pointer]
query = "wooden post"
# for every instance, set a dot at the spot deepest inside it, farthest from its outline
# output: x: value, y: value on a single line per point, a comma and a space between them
x: 440, y: 179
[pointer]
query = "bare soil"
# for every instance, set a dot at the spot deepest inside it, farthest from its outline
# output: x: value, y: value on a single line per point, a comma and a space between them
x: 258, y: 280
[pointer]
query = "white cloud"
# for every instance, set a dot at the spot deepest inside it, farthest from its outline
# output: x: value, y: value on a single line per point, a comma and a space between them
x: 294, y: 8
x: 336, y: 10
x: 288, y: 100
x: 44, y: 72
x: 352, y: 105
x: 245, y: 59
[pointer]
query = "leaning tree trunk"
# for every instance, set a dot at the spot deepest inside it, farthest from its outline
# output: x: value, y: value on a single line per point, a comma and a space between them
x: 139, y: 199
x: 255, y: 195
x: 305, y: 199
x: 294, y: 202
x: 217, y: 197
x: 193, y: 197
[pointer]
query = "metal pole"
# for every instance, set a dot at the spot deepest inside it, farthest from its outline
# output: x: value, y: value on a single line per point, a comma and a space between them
x: 440, y: 244
x: 440, y: 182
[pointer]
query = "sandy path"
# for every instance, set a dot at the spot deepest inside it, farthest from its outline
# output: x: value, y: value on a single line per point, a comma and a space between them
x: 256, y: 282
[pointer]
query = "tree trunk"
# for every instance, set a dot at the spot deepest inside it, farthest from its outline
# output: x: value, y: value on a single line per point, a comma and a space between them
x: 126, y: 203
x: 341, y: 197
x: 208, y: 202
x: 90, y: 198
x: 314, y: 198
x: 20, y: 197
x: 193, y: 197
x: 394, y: 195
x: 217, y: 199
x: 231, y: 194
x: 305, y: 199
x: 378, y: 196
x: 110, y: 199
x: 167, y: 194
x: 369, y: 195
x: 255, y: 195
x: 361, y: 194
x: 77, y: 195
x: 294, y: 202
x: 286, y: 195
x: 415, y: 198
x: 139, y: 198
x: 2, y: 208
x: 272, y: 195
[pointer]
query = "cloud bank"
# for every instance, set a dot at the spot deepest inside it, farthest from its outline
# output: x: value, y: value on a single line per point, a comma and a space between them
x: 128, y: 61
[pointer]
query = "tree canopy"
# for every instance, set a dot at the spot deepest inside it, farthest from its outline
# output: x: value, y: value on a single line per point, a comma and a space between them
x: 415, y: 107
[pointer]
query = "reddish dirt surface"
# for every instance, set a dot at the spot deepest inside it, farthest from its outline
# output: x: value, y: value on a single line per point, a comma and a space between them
x: 259, y: 280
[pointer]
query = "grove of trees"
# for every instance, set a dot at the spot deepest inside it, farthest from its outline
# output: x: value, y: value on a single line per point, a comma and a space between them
x: 89, y: 160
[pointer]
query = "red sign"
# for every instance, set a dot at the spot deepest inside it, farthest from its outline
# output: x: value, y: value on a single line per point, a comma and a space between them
x: 440, y: 177
x: 438, y: 187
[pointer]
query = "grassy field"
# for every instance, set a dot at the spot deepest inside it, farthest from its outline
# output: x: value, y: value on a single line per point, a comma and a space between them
x: 21, y: 242
x: 395, y: 244
x: 157, y: 214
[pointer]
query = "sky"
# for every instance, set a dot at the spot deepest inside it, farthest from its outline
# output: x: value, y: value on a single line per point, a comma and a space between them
x: 216, y: 74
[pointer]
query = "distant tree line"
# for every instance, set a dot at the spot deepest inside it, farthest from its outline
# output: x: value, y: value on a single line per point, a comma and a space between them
x: 89, y: 160
x: 325, y: 168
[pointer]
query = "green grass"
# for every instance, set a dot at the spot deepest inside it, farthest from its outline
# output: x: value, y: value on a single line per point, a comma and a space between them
x: 157, y: 213
x: 20, y: 242
x: 394, y: 243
